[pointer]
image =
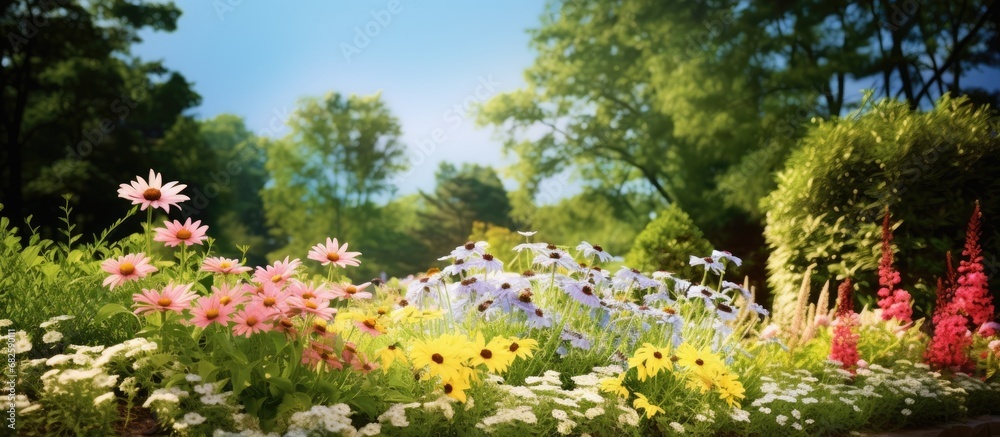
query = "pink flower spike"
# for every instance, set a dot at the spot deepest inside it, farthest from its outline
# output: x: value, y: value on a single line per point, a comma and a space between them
x: 126, y: 268
x: 278, y: 273
x: 208, y: 310
x: 333, y: 252
x: 176, y: 233
x: 173, y: 298
x: 251, y: 320
x: 153, y: 193
x: 224, y: 266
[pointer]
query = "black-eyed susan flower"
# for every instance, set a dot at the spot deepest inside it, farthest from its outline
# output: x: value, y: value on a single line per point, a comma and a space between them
x: 614, y: 385
x: 495, y: 355
x: 650, y: 360
x: 641, y: 402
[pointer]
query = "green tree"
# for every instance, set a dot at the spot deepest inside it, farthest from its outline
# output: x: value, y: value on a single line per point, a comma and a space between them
x: 80, y: 114
x: 327, y: 175
x: 927, y: 168
x: 702, y: 101
x: 465, y: 195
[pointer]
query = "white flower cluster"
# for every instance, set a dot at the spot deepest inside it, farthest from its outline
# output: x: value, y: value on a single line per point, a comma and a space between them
x: 335, y: 419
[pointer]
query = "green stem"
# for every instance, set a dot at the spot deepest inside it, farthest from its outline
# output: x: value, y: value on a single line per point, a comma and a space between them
x: 183, y: 266
x: 149, y: 231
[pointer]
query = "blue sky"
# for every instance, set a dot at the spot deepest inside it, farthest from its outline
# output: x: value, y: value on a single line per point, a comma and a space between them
x: 256, y: 59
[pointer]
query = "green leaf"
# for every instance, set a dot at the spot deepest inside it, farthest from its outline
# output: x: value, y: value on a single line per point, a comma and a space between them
x: 112, y: 309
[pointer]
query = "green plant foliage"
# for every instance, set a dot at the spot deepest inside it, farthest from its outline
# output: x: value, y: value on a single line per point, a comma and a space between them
x: 667, y: 243
x: 928, y: 168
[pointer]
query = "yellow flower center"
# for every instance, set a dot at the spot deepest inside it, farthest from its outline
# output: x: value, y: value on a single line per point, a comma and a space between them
x: 370, y: 323
x: 211, y: 314
x: 151, y: 194
x: 351, y: 289
x: 310, y: 304
x: 164, y: 302
x: 269, y: 301
x: 183, y: 234
x: 252, y: 320
x: 225, y: 300
x: 225, y: 265
x: 126, y: 268
x: 333, y: 256
x: 276, y: 279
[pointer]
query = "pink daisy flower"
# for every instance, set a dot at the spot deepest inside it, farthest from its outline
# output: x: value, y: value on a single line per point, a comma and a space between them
x: 319, y: 307
x: 371, y: 326
x: 230, y: 296
x: 251, y: 320
x: 350, y: 291
x: 309, y: 291
x: 360, y: 363
x: 278, y: 273
x: 208, y: 310
x: 176, y: 233
x: 173, y: 298
x: 271, y: 299
x: 223, y: 266
x: 318, y: 354
x: 153, y: 193
x: 126, y: 268
x: 333, y: 252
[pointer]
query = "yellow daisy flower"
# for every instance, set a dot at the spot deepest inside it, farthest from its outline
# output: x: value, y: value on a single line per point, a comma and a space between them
x: 455, y: 388
x: 522, y: 347
x: 700, y: 360
x: 643, y: 403
x: 614, y: 385
x: 649, y: 360
x: 496, y: 354
x: 389, y: 355
x: 730, y: 389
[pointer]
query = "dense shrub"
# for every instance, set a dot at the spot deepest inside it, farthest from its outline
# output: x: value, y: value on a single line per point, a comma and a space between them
x: 927, y: 167
x: 667, y: 243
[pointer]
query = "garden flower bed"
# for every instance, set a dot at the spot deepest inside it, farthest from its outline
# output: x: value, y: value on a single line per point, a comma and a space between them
x: 545, y: 340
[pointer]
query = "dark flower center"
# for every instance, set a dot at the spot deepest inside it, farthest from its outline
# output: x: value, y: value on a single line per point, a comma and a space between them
x: 403, y: 302
x: 437, y: 358
x: 708, y: 259
x: 333, y: 256
x: 587, y: 290
x: 392, y: 347
x: 486, y: 354
x: 699, y: 362
x: 539, y: 313
x: 657, y: 355
x: 488, y: 257
x: 724, y: 307
x: 470, y: 245
x: 554, y: 255
x: 448, y: 389
x: 514, y: 347
x: 151, y: 194
x: 525, y: 296
x: 370, y: 323
x: 505, y: 286
x: 598, y: 248
x: 485, y: 305
x: 287, y: 323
